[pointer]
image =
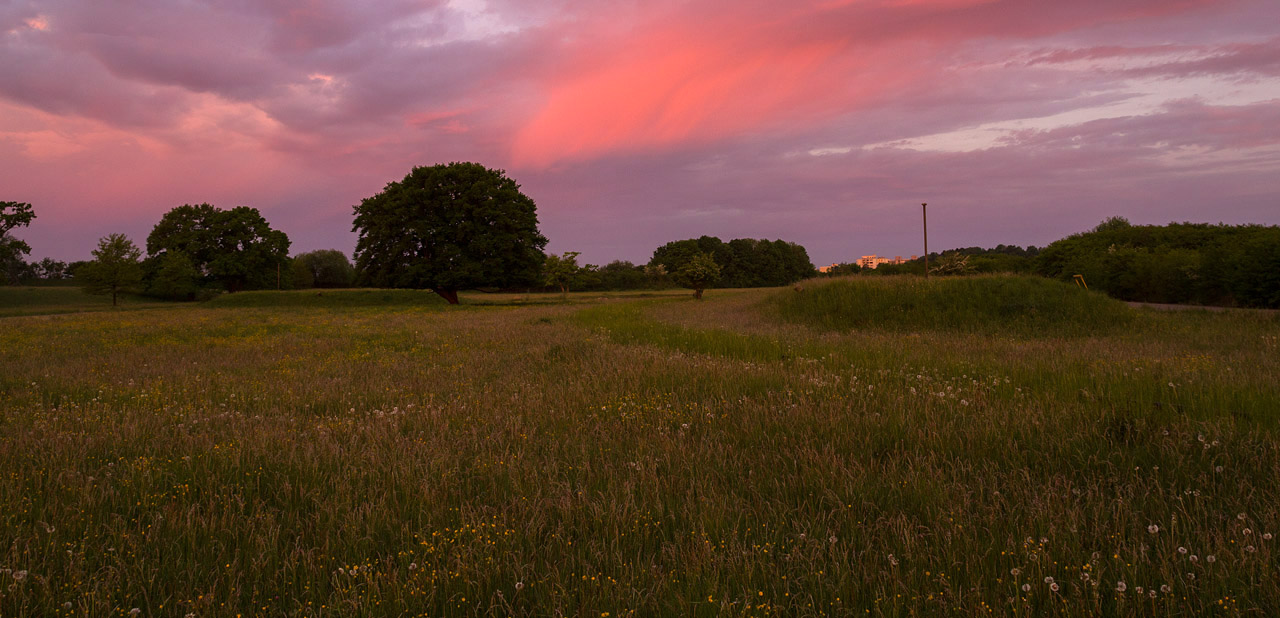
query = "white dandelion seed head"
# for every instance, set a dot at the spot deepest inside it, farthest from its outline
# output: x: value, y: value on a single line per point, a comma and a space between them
x: 1015, y: 572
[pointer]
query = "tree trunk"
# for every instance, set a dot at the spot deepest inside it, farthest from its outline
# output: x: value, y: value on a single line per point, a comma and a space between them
x: 113, y: 297
x: 449, y: 295
x: 697, y: 293
x: 564, y: 292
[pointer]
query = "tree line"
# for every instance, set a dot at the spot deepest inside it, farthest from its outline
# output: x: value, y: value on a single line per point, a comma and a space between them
x: 1196, y: 263
x: 463, y: 226
x: 443, y: 228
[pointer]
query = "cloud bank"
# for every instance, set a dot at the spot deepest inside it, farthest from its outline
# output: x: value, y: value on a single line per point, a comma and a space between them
x: 824, y: 122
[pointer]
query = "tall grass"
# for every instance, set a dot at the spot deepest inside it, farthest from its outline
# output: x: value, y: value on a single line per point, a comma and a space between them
x: 631, y: 458
x: 983, y: 304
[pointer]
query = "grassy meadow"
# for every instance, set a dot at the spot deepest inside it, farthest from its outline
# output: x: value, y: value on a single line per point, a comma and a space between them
x: 379, y: 453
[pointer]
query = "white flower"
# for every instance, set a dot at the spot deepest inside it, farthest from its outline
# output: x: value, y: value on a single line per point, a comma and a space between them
x: 1121, y: 587
x: 1248, y: 531
x: 1195, y: 558
x: 413, y: 566
x: 1250, y: 549
x: 66, y: 605
x: 1153, y: 528
x: 1241, y: 516
x: 1053, y: 587
x: 1015, y: 571
x: 1026, y: 587
x: 1044, y: 540
x: 1138, y: 589
x: 1210, y: 559
x: 20, y: 575
x: 135, y: 611
x: 1048, y: 580
x: 1217, y: 469
x: 1182, y: 550
x: 1165, y: 589
x: 1191, y: 575
x: 519, y: 585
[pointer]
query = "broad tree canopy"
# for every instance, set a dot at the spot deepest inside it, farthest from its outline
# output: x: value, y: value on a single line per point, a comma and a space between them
x: 448, y: 228
x: 236, y: 247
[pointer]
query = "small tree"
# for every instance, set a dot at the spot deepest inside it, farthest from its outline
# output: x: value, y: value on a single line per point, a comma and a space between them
x: 559, y: 270
x: 14, y: 215
x: 699, y: 273
x: 327, y: 268
x: 115, y: 267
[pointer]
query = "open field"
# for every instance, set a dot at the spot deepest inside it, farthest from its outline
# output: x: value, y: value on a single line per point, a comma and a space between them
x: 53, y: 299
x: 624, y: 455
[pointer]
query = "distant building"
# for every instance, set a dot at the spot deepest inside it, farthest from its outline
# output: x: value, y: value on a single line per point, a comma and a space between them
x: 823, y: 269
x: 873, y: 260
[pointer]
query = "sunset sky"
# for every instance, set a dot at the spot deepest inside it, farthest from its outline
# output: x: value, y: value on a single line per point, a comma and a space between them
x: 635, y: 122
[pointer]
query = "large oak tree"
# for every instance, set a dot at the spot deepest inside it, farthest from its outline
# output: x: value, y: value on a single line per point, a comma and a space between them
x: 448, y: 228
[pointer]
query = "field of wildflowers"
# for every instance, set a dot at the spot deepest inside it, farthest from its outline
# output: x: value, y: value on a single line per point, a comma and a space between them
x: 627, y: 456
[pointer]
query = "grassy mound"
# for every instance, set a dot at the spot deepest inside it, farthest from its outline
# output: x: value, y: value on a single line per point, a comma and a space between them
x: 329, y: 298
x: 989, y: 304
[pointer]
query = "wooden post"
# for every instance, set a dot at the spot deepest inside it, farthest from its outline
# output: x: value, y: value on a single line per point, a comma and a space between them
x: 924, y: 210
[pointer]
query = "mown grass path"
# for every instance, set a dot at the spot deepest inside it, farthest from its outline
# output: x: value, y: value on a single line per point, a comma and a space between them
x: 631, y: 457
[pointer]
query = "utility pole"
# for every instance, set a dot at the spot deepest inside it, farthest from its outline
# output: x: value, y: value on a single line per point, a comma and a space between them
x: 924, y: 211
